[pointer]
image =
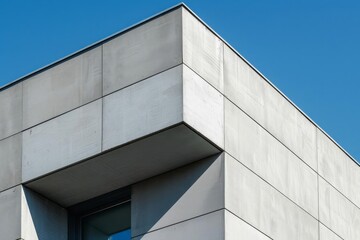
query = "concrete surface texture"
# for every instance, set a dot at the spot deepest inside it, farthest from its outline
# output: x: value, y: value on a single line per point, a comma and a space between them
x: 209, y: 148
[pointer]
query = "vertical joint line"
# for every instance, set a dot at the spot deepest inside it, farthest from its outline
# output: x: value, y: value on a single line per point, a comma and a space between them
x: 102, y: 98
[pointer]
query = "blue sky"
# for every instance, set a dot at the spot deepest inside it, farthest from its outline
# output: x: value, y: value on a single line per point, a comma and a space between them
x: 309, y: 49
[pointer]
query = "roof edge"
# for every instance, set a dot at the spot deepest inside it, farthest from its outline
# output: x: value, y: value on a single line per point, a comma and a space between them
x: 181, y: 4
x: 91, y: 46
x: 271, y: 84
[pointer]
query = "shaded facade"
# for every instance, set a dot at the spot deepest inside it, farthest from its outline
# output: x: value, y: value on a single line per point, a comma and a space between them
x: 167, y: 118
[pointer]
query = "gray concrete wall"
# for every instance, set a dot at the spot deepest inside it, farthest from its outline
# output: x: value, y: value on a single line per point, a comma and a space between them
x: 10, y: 217
x: 10, y: 161
x: 41, y: 218
x: 265, y: 207
x: 99, y: 100
x: 280, y: 176
x: 167, y: 99
x: 62, y: 88
x: 296, y: 182
x: 178, y: 196
x: 26, y: 215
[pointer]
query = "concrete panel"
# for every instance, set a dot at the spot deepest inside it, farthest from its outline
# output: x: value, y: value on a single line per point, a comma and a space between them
x: 250, y: 92
x: 203, y: 51
x: 203, y: 107
x: 10, y: 213
x: 337, y: 212
x: 259, y: 204
x: 142, y: 52
x: 237, y: 229
x: 143, y: 108
x: 42, y: 219
x: 10, y: 161
x: 327, y: 234
x: 62, y: 88
x: 262, y: 153
x: 178, y: 195
x: 62, y: 141
x: 11, y: 111
x: 124, y: 166
x: 338, y: 169
x: 209, y: 227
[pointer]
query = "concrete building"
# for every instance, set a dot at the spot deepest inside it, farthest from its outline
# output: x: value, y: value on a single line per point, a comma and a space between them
x: 166, y: 130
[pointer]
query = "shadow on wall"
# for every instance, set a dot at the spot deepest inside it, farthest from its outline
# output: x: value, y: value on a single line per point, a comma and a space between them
x: 178, y: 195
x: 167, y: 199
x: 42, y: 218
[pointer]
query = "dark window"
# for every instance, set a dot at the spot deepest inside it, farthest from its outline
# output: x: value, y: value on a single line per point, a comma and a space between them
x: 107, y: 217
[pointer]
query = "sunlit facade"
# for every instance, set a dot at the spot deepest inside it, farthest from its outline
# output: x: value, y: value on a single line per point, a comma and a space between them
x: 163, y: 131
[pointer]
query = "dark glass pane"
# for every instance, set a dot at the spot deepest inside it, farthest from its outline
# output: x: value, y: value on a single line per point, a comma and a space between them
x: 110, y: 224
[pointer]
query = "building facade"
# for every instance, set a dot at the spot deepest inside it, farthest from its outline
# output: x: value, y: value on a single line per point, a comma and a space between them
x: 163, y: 131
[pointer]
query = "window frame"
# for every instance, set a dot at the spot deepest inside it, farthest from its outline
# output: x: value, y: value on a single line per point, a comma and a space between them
x: 77, y: 212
